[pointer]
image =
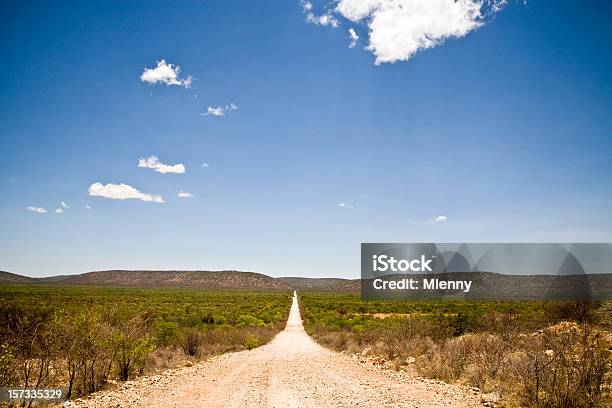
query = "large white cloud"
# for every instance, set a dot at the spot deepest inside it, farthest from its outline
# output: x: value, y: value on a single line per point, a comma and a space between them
x: 400, y: 28
x: 121, y: 192
x: 166, y: 74
x: 153, y: 162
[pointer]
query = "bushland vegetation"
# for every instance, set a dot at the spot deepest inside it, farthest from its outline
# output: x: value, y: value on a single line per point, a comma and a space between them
x: 520, y: 354
x: 82, y: 339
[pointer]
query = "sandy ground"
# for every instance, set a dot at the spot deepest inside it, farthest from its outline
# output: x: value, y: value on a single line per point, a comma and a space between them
x: 290, y: 371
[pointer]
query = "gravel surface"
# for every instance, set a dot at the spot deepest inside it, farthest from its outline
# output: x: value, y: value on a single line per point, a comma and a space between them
x: 290, y: 371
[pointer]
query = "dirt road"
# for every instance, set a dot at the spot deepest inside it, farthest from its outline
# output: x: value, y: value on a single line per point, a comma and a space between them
x: 290, y: 371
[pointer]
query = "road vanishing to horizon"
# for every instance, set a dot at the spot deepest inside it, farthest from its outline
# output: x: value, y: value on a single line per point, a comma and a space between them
x: 290, y: 371
x: 428, y: 175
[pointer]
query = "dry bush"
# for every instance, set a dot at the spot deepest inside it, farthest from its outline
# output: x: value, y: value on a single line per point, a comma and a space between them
x: 399, y: 349
x: 164, y: 358
x: 28, y: 345
x: 192, y: 340
x: 497, y: 348
x: 484, y: 361
x: 565, y: 366
x: 353, y: 346
x: 130, y: 344
x: 582, y: 311
x: 335, y: 340
x: 221, y: 340
x: 446, y: 361
x: 206, y: 342
x: 72, y: 341
x: 8, y: 374
x: 85, y: 360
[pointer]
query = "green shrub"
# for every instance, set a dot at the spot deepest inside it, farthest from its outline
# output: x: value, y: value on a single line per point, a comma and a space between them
x: 248, y: 320
x: 166, y: 333
x: 81, y: 337
x: 250, y: 342
x: 509, y: 348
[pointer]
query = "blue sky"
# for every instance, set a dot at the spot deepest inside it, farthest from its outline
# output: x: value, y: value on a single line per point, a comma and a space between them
x: 503, y: 134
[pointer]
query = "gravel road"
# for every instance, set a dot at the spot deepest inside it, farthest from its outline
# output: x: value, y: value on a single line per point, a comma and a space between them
x: 290, y: 371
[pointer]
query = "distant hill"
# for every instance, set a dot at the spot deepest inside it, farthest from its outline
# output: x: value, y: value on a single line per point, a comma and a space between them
x: 188, y: 279
x: 8, y: 278
x: 158, y: 279
x: 323, y: 284
x: 486, y: 284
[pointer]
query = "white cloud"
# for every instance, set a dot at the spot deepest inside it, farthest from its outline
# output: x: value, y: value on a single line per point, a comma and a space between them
x: 87, y: 206
x: 220, y: 110
x: 63, y: 204
x: 205, y: 165
x: 59, y: 210
x: 357, y: 10
x: 326, y: 19
x: 166, y: 74
x: 441, y: 218
x: 38, y: 210
x: 215, y: 111
x: 153, y: 162
x: 347, y: 206
x: 398, y: 29
x: 354, y: 37
x: 184, y: 194
x: 121, y: 192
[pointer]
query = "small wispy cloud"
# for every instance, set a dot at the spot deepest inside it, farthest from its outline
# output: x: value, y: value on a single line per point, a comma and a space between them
x: 37, y: 210
x: 440, y: 218
x: 205, y: 165
x: 184, y: 194
x: 326, y: 19
x: 215, y: 111
x: 153, y: 162
x: 122, y: 192
x: 220, y: 110
x: 354, y: 37
x: 59, y: 210
x: 87, y: 206
x: 63, y: 204
x: 165, y: 73
x: 346, y: 205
